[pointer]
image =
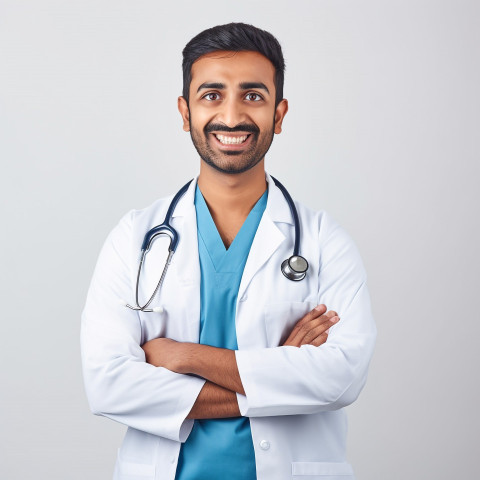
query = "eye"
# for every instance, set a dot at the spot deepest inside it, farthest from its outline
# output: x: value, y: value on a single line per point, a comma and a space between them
x: 212, y: 96
x: 253, y: 97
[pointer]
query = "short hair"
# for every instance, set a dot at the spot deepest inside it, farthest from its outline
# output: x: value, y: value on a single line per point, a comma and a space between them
x: 234, y: 37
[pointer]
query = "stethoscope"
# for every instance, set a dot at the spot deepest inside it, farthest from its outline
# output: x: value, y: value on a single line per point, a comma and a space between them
x: 294, y: 268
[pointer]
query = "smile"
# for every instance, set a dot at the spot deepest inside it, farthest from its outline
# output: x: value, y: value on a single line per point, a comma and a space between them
x: 231, y: 140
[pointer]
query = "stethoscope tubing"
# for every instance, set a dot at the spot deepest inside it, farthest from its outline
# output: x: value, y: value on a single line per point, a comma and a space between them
x: 165, y: 228
x: 294, y: 213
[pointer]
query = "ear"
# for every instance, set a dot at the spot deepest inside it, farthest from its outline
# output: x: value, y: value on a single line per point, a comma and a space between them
x: 280, y: 112
x: 183, y: 109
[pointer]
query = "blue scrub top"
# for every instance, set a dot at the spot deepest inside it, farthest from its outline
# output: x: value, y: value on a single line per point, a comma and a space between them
x: 220, y: 448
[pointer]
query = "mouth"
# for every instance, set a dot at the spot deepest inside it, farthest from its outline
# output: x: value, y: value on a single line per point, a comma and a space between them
x: 232, y: 141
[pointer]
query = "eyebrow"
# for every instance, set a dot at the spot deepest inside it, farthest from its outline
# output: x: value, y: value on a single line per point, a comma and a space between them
x: 249, y: 85
x: 243, y: 86
x: 215, y: 85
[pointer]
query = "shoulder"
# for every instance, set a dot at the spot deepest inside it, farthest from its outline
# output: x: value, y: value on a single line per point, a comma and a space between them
x: 321, y: 223
x: 337, y: 248
x: 132, y: 226
x: 152, y: 214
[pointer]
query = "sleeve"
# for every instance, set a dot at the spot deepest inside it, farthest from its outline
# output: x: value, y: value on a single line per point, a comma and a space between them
x: 119, y: 383
x: 290, y: 380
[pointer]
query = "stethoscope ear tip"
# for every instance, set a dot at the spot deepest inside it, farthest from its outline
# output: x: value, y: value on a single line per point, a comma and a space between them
x: 122, y: 302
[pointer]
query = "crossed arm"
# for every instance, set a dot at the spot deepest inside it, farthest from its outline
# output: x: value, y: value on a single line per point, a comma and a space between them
x: 218, y: 366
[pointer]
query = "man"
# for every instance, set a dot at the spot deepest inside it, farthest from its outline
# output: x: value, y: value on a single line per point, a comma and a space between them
x: 238, y: 372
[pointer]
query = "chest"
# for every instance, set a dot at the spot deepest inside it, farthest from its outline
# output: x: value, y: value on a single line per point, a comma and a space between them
x: 265, y: 310
x: 228, y: 226
x: 267, y: 304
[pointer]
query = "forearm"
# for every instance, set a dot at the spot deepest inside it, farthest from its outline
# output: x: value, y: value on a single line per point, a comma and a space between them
x: 218, y: 365
x: 215, y: 402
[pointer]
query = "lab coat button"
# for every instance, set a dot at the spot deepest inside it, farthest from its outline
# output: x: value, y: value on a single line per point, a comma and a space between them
x: 264, y: 444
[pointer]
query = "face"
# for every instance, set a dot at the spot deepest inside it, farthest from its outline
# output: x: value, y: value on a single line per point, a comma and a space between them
x: 231, y: 114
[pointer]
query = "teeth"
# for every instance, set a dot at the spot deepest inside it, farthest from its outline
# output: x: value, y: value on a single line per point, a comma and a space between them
x: 231, y: 140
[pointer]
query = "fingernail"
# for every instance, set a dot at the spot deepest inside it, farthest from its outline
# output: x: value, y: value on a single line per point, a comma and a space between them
x: 320, y: 307
x: 335, y: 319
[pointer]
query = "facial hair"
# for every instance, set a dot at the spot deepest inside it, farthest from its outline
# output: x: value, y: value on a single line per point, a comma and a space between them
x: 232, y: 162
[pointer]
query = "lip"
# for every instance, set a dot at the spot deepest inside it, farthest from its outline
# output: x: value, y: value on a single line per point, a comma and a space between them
x: 232, y: 146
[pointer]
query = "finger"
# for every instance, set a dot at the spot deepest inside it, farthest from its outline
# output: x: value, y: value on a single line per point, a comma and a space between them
x: 313, y: 318
x: 323, y: 319
x: 308, y: 331
x: 326, y: 320
x: 303, y: 328
x: 320, y: 340
x: 318, y: 330
x: 318, y: 311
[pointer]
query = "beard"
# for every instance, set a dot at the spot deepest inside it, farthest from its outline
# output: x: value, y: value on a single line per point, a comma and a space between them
x: 232, y: 162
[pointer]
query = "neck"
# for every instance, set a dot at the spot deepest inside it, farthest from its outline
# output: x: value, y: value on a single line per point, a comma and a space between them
x: 232, y: 193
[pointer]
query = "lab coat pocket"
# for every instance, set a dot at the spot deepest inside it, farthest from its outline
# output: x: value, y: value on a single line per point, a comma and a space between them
x: 133, y: 471
x: 323, y: 470
x: 281, y: 317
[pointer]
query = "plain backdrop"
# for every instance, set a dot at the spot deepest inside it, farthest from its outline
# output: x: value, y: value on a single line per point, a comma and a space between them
x: 382, y: 133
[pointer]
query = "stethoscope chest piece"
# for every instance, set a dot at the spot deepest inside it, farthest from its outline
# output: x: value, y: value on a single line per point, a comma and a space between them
x: 295, y: 268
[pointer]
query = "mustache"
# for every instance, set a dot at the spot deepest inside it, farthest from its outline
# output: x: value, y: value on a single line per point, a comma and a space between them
x: 241, y: 127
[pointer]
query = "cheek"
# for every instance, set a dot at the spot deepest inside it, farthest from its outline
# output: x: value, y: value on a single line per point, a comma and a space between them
x: 265, y: 121
x: 199, y: 118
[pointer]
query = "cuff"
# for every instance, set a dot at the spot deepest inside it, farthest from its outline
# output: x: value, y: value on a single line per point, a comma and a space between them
x: 242, y: 404
x: 185, y: 406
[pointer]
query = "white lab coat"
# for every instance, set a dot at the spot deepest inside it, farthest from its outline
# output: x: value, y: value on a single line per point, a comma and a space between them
x: 294, y: 396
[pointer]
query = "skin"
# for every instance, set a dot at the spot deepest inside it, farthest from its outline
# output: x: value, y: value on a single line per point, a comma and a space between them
x: 218, y: 366
x: 232, y: 94
x: 232, y: 183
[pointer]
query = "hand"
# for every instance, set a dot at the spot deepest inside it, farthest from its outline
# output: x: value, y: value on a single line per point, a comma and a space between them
x: 164, y: 352
x: 312, y: 329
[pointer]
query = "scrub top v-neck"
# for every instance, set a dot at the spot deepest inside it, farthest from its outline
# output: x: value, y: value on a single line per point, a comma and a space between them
x: 220, y: 448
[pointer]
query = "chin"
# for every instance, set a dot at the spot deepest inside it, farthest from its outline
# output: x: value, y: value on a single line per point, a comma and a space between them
x: 231, y: 168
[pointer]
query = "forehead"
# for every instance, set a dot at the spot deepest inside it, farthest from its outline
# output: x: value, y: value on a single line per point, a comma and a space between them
x: 232, y: 68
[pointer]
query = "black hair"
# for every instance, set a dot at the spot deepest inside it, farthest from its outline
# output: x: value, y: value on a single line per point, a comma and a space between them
x: 234, y: 37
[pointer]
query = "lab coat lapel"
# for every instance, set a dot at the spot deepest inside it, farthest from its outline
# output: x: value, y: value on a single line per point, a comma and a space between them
x: 268, y: 236
x: 186, y: 255
x: 186, y: 261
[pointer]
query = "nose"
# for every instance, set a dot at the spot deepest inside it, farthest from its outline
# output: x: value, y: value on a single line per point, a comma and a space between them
x: 232, y: 112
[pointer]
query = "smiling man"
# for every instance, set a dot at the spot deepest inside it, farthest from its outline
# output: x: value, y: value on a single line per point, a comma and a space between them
x: 235, y: 119
x: 233, y: 368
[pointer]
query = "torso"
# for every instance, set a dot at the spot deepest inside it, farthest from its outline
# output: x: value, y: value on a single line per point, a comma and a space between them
x: 228, y: 226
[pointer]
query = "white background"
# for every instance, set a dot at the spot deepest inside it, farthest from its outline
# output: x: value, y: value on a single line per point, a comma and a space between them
x: 382, y: 133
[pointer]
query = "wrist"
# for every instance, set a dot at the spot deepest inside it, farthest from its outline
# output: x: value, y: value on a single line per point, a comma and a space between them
x: 187, y: 357
x: 197, y: 358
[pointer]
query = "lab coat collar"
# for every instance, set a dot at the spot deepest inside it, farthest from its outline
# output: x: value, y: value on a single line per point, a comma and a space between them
x: 277, y: 208
x: 187, y: 202
x: 267, y: 239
